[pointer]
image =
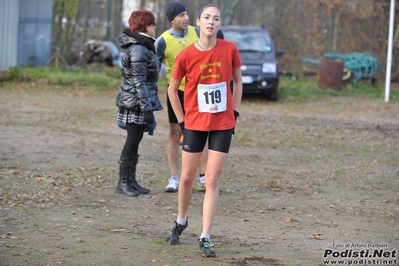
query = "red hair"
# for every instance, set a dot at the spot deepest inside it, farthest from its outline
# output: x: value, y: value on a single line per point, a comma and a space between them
x: 140, y: 19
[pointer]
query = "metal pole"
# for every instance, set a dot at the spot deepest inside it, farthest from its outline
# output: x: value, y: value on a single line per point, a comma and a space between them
x: 389, y: 56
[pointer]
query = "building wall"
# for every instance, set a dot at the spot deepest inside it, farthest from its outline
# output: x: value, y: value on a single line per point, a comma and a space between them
x: 34, y: 32
x: 9, y: 10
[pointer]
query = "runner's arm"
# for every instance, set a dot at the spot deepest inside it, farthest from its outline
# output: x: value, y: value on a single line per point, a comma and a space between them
x: 174, y: 99
x: 160, y: 46
x: 237, y: 88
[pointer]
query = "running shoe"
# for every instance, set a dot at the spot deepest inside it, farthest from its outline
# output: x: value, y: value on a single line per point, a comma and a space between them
x: 201, y: 184
x: 205, y: 248
x: 174, y: 237
x: 173, y: 184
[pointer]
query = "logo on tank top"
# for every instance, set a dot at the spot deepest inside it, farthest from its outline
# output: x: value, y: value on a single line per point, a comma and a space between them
x: 183, y: 42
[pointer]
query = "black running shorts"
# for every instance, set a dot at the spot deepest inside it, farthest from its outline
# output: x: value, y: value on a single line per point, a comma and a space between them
x: 194, y: 141
x: 171, y: 115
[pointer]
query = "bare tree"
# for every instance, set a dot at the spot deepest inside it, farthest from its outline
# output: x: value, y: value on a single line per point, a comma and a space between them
x: 64, y: 17
x: 116, y: 20
x: 143, y: 4
x: 86, y: 16
x: 302, y: 28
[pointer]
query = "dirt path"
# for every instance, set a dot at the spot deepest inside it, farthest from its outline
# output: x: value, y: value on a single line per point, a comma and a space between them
x: 301, y: 180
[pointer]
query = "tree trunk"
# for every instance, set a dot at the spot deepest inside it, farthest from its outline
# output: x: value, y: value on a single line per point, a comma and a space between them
x: 116, y: 21
x: 86, y: 16
x: 142, y: 4
x: 335, y: 33
x: 60, y: 14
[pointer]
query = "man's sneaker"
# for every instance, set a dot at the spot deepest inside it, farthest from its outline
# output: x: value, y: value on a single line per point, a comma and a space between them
x: 205, y: 248
x: 201, y: 184
x: 173, y: 184
x: 174, y: 237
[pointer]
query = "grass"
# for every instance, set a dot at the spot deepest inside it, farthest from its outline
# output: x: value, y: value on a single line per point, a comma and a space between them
x: 99, y: 78
x: 305, y: 90
x: 61, y: 76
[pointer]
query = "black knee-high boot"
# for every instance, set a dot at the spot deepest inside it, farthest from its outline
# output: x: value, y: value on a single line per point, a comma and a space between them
x: 124, y: 187
x: 136, y: 186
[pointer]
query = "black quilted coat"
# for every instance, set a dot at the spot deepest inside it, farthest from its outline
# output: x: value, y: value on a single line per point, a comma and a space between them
x: 138, y: 91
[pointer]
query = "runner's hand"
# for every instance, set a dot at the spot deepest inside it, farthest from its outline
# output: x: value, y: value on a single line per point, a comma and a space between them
x: 181, y: 124
x: 236, y: 115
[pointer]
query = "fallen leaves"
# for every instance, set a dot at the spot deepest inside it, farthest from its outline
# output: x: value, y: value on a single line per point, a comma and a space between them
x: 317, y: 236
x: 9, y: 236
x: 116, y: 230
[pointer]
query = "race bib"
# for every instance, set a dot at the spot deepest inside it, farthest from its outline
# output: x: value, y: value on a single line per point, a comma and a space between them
x: 212, y: 98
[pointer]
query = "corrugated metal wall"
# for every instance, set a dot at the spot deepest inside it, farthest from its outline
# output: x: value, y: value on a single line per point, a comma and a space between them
x: 8, y: 33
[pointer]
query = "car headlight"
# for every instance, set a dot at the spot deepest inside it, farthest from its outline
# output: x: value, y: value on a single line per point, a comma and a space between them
x: 269, y: 68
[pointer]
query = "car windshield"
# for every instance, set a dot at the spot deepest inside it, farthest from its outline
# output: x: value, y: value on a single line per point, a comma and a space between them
x: 258, y: 41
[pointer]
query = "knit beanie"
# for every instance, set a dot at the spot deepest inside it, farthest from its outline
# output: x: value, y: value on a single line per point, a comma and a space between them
x: 174, y: 9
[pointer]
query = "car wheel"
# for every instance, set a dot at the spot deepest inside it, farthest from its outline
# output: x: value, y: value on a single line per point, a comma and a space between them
x: 273, y: 96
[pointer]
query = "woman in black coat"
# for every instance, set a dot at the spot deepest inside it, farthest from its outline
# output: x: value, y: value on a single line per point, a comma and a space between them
x: 137, y: 97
